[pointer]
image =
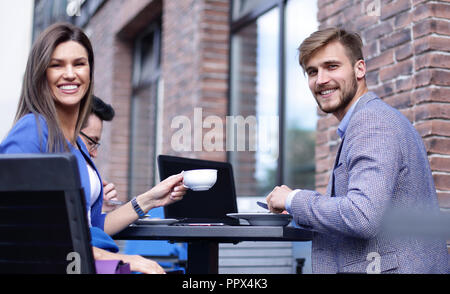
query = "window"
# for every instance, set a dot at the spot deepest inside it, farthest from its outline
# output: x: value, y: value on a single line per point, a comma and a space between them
x: 268, y: 85
x: 145, y: 102
x: 77, y: 12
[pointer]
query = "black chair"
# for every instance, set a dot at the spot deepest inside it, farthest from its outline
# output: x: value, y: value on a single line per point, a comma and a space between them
x: 43, y: 222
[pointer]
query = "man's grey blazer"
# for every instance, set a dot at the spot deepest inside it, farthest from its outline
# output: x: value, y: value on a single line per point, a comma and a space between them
x: 381, y: 164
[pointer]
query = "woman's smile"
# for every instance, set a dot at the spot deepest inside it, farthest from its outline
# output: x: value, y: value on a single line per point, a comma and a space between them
x: 68, y: 74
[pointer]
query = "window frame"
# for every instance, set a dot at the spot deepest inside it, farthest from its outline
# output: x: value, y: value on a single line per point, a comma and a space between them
x: 240, y: 23
x: 155, y: 28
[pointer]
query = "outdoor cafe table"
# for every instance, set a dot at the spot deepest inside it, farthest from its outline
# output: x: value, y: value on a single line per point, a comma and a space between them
x: 203, y: 241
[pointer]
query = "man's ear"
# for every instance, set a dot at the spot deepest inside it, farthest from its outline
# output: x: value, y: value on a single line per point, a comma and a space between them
x: 360, y: 69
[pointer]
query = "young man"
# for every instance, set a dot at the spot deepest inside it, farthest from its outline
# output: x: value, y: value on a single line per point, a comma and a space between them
x: 91, y: 134
x: 381, y: 165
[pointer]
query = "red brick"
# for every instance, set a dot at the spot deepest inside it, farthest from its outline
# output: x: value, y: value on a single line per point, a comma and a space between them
x: 430, y: 9
x: 442, y: 181
x: 403, y: 52
x: 429, y: 26
x: 370, y: 49
x: 321, y: 138
x: 440, y: 164
x: 322, y: 151
x: 437, y: 145
x: 372, y: 78
x: 433, y: 127
x: 394, y: 8
x: 431, y: 94
x: 404, y: 84
x: 385, y: 58
x: 322, y: 179
x: 432, y: 110
x: 326, y: 122
x: 408, y: 113
x: 417, y: 2
x: 395, y: 39
x: 377, y: 31
x: 444, y: 201
x: 332, y: 9
x: 402, y: 20
x: 323, y: 165
x: 385, y: 89
x: 399, y: 101
x: 427, y: 77
x: 399, y: 69
x: 365, y: 21
x: 432, y: 59
x: 429, y: 43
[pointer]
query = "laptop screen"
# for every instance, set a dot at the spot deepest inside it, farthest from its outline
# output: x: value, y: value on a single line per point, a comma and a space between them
x: 212, y: 204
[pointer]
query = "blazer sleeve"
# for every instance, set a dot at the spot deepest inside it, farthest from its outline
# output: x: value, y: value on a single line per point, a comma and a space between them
x: 373, y: 163
x: 28, y: 135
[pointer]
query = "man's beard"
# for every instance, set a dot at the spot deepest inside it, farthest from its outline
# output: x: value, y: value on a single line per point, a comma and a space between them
x: 344, y: 99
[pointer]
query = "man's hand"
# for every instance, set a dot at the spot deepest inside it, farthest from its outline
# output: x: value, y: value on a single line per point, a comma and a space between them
x: 109, y: 193
x: 276, y: 200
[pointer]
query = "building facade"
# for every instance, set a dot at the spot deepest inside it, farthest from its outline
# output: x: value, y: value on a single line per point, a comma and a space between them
x: 220, y: 80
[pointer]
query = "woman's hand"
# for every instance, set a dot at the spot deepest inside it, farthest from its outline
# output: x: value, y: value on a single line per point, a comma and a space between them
x: 137, y: 262
x: 143, y: 265
x: 166, y: 192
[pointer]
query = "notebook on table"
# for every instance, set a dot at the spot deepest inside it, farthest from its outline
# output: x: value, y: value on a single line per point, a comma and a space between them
x: 201, y: 207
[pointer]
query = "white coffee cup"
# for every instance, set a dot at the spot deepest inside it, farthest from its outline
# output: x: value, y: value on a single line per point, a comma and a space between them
x: 199, y: 179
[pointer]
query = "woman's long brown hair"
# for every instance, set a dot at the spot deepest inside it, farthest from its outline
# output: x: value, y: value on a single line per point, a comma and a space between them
x: 36, y: 96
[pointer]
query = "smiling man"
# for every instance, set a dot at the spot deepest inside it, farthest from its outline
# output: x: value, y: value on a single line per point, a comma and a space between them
x: 91, y: 134
x: 381, y: 165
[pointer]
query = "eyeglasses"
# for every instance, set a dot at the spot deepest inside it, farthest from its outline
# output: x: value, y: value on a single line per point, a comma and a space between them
x: 93, y: 145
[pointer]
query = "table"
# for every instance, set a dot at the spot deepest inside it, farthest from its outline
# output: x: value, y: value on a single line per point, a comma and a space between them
x: 203, y: 241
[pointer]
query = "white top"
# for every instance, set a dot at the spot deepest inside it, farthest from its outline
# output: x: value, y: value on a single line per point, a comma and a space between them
x: 95, y: 189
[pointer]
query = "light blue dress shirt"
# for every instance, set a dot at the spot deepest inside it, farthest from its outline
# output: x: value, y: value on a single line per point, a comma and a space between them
x: 341, y: 132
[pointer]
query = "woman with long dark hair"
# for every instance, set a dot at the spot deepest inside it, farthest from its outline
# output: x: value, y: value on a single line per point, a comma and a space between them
x: 54, y: 103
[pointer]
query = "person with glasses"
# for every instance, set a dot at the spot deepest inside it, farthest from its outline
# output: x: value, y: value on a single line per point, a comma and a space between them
x: 54, y: 103
x: 91, y: 131
x: 91, y: 134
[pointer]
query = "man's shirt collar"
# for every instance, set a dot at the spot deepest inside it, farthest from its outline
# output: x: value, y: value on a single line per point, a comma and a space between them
x: 344, y: 122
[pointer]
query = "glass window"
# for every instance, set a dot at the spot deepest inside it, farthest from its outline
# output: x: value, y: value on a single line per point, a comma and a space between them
x: 264, y: 56
x: 144, y: 110
x: 254, y: 91
x: 244, y: 7
x: 301, y: 108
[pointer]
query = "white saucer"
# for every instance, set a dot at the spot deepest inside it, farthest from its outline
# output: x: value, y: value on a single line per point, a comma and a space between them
x: 263, y: 219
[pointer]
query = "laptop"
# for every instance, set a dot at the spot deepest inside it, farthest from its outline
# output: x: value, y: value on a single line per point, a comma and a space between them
x: 201, y: 207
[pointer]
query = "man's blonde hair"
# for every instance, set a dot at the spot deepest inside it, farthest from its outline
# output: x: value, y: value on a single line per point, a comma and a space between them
x: 350, y: 40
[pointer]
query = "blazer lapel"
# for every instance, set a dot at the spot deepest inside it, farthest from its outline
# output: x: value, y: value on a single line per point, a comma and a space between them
x: 336, y: 161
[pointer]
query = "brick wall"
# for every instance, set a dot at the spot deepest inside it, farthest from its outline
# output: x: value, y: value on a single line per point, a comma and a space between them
x: 194, y: 67
x: 111, y: 32
x: 406, y: 52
